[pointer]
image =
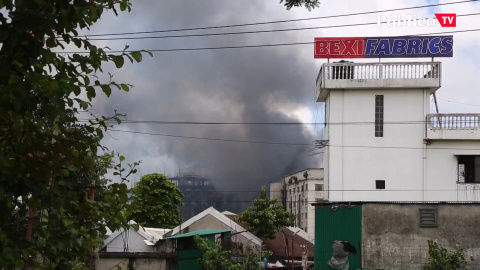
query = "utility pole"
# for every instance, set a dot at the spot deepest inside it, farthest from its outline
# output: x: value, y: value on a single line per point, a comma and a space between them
x: 293, y: 250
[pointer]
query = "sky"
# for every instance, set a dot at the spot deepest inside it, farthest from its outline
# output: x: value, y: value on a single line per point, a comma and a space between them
x: 269, y: 84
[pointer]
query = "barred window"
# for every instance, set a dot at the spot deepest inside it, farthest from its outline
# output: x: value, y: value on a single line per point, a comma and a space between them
x: 379, y: 115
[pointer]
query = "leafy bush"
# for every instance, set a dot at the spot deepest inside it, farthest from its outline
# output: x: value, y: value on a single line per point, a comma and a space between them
x: 443, y: 259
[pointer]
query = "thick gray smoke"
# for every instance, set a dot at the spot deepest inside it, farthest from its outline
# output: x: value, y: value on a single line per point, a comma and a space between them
x: 242, y: 85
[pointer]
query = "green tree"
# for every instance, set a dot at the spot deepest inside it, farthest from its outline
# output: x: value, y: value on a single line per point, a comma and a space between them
x: 309, y: 4
x: 265, y: 217
x: 216, y: 257
x: 156, y: 202
x: 443, y: 259
x: 47, y: 155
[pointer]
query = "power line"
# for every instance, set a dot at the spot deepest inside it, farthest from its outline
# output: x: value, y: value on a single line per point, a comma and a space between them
x: 292, y: 144
x: 475, y: 105
x: 286, y: 191
x: 253, y: 32
x: 261, y: 45
x: 336, y: 190
x: 214, y: 139
x: 275, y: 22
x: 239, y: 33
x: 161, y: 122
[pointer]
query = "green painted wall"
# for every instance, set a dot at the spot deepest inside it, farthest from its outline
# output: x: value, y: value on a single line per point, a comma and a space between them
x: 337, y: 223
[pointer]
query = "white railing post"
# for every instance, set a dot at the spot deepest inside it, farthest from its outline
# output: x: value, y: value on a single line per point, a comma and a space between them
x: 454, y: 121
x: 381, y: 71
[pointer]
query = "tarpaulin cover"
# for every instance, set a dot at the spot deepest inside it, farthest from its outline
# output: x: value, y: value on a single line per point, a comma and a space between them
x: 339, y: 258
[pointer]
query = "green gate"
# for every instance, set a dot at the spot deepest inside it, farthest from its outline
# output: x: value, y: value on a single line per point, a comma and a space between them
x: 337, y: 222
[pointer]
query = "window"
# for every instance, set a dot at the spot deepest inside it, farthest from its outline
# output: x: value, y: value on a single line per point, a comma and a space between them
x: 380, y: 184
x: 306, y: 186
x: 318, y: 187
x: 298, y: 189
x: 428, y: 218
x: 378, y: 115
x: 302, y: 188
x: 468, y: 169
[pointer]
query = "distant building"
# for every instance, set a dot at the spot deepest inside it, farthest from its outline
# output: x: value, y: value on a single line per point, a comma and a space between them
x: 198, y: 192
x: 298, y: 192
x: 276, y: 191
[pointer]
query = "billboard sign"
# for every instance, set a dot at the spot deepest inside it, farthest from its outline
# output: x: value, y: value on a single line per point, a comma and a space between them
x: 384, y: 47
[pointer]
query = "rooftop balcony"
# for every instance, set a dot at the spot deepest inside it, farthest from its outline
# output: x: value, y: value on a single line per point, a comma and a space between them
x: 455, y: 126
x: 350, y: 75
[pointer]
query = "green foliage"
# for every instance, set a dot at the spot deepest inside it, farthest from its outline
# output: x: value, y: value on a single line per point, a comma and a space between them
x: 217, y: 258
x: 442, y: 259
x: 49, y: 160
x: 265, y: 217
x: 156, y: 202
x: 309, y: 4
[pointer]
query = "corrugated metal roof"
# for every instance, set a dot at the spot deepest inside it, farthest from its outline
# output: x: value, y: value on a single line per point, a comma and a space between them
x: 157, y: 233
x: 199, y: 232
x: 278, y: 244
x: 141, y: 231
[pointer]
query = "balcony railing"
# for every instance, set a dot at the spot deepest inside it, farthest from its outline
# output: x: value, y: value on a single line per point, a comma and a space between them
x: 455, y: 126
x: 378, y: 75
x: 379, y: 71
x: 454, y: 121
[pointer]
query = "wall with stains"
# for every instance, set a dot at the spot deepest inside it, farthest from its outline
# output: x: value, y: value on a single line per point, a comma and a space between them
x: 393, y: 239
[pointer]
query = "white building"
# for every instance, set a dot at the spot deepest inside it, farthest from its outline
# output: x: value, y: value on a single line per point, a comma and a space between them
x: 133, y: 240
x: 301, y: 190
x: 135, y: 248
x: 384, y: 144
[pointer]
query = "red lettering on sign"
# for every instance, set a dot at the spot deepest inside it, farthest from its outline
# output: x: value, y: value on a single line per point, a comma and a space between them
x: 352, y: 47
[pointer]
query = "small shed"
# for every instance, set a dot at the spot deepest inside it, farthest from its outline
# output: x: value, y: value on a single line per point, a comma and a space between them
x: 188, y: 254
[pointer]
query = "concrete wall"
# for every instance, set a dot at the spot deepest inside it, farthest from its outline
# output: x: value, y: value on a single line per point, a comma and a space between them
x: 441, y: 184
x: 138, y: 264
x: 393, y: 239
x: 356, y: 158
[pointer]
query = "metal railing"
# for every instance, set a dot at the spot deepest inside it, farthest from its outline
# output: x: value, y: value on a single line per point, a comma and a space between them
x: 454, y: 121
x: 379, y: 71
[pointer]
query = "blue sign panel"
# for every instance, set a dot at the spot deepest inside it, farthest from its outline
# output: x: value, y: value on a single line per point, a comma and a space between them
x: 415, y: 46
